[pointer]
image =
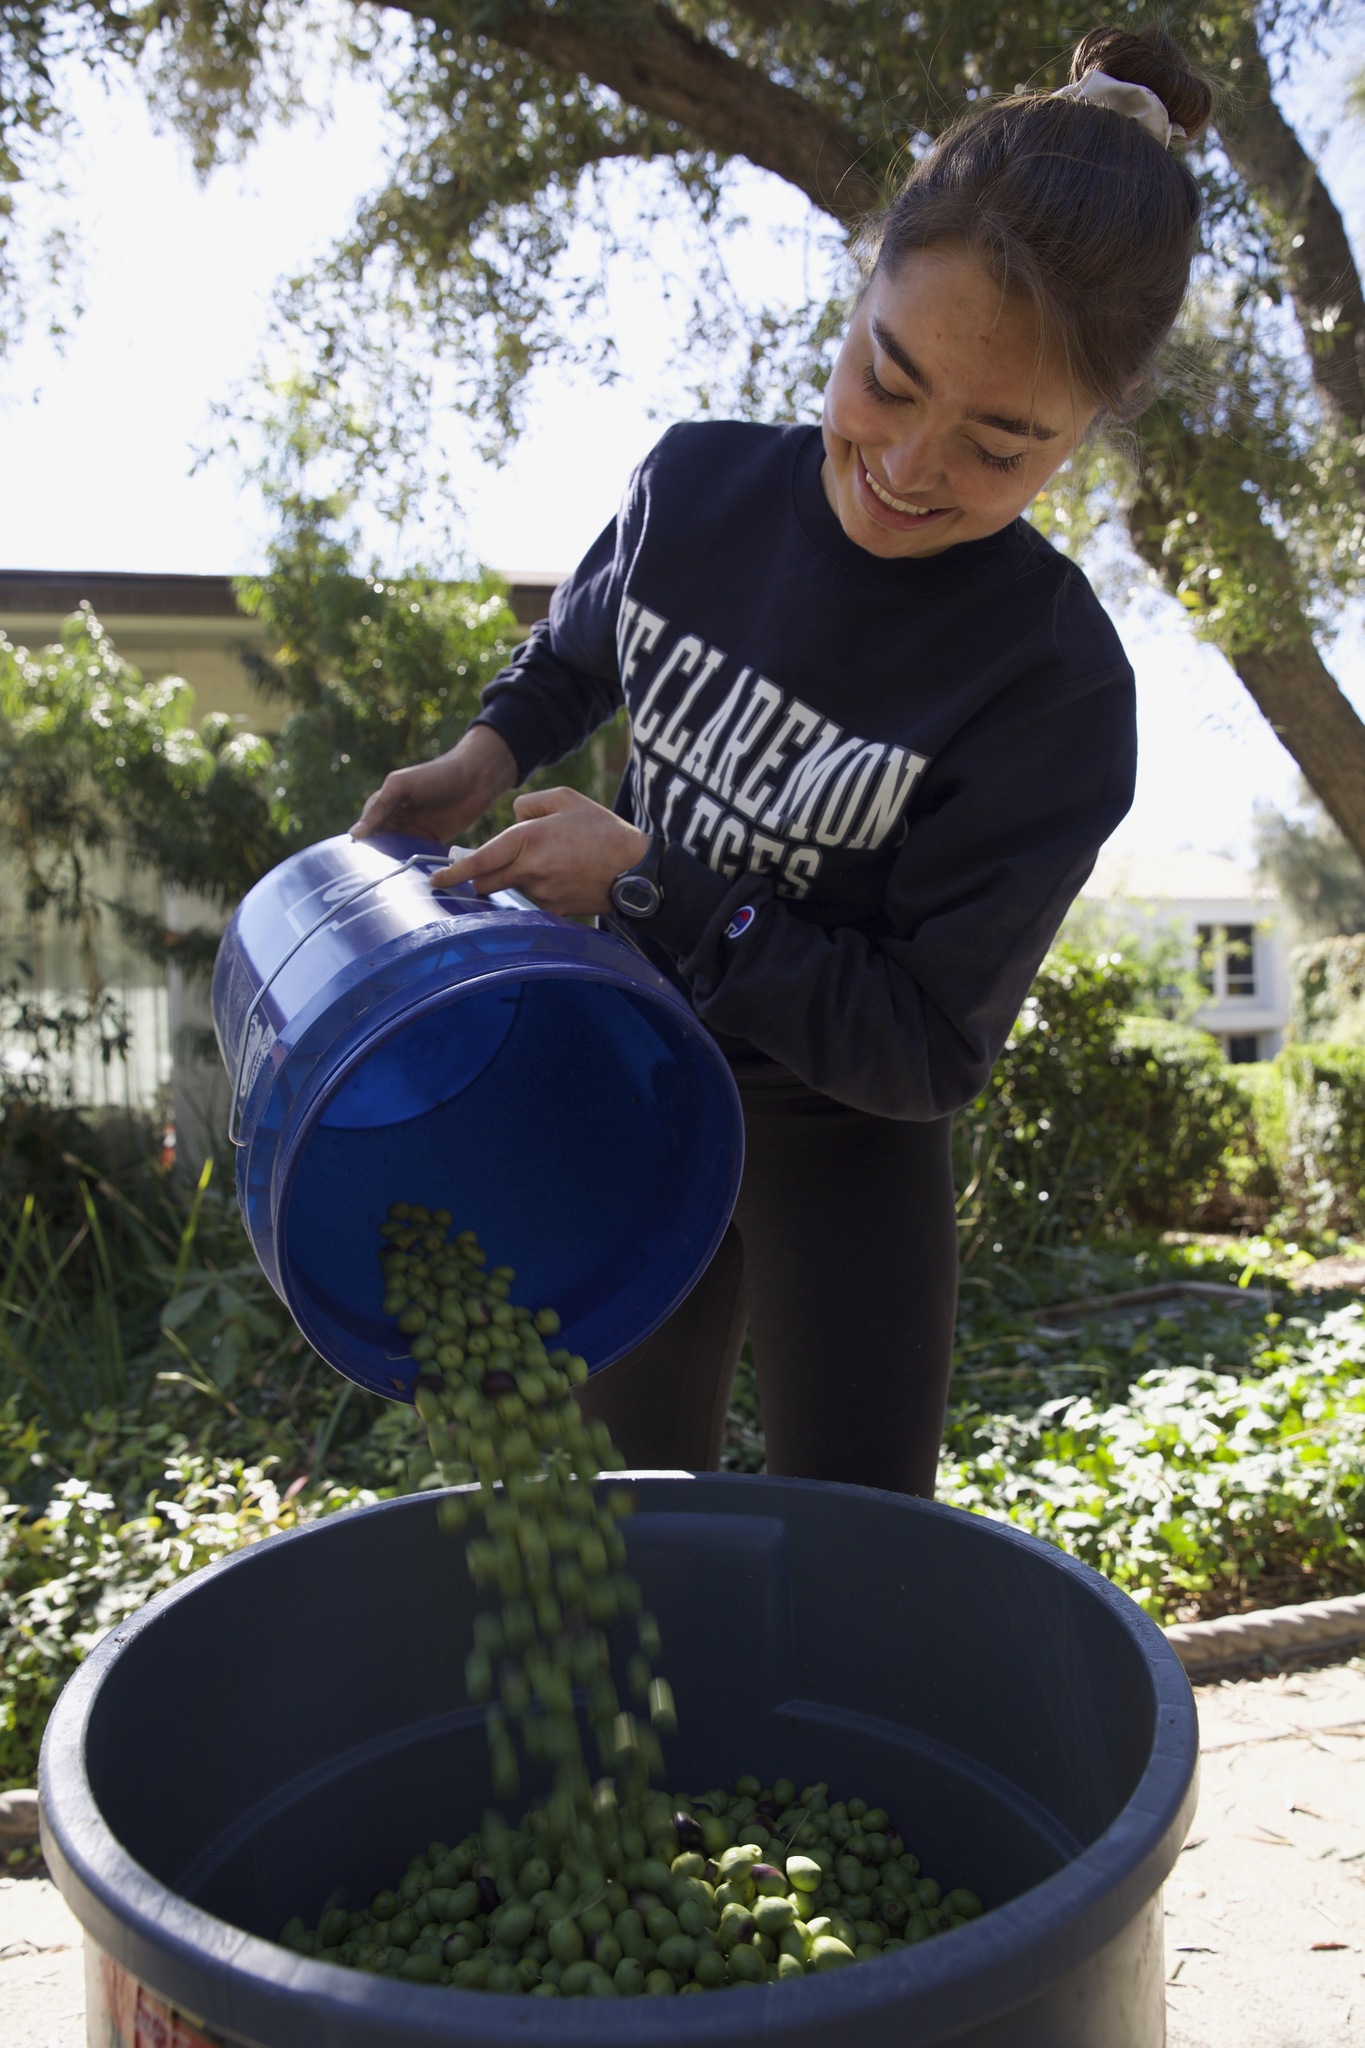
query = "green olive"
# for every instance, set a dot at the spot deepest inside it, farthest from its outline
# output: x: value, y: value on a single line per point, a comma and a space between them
x: 829, y: 1954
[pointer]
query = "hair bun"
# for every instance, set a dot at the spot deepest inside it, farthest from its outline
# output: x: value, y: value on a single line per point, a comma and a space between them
x: 1152, y: 58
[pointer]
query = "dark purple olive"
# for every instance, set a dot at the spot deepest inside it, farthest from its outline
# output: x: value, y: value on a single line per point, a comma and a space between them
x: 432, y: 1381
x: 498, y: 1382
x: 767, y: 1813
x: 645, y: 1902
x: 476, y: 1313
x: 762, y: 1870
x: 488, y: 1894
x: 712, y: 1872
x: 687, y: 1830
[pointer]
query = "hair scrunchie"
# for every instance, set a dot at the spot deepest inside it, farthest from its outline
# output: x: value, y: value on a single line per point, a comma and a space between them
x: 1137, y: 102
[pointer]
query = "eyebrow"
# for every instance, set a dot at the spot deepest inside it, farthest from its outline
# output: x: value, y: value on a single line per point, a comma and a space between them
x: 1027, y: 430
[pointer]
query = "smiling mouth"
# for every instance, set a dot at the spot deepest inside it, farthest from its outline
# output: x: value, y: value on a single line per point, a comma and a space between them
x: 894, y: 504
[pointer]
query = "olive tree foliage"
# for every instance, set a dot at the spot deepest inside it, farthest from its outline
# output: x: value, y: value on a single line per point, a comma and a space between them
x: 483, y: 254
x: 1314, y: 869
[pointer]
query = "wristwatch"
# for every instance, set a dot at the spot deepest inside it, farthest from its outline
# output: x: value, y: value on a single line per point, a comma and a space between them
x: 637, y: 893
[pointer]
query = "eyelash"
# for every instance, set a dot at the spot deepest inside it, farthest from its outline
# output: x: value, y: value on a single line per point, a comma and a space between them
x: 874, y: 387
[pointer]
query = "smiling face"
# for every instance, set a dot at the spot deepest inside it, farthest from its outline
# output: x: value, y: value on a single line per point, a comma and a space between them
x: 941, y: 424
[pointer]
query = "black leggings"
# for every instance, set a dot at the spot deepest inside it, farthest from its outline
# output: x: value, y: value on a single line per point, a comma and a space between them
x: 842, y: 1261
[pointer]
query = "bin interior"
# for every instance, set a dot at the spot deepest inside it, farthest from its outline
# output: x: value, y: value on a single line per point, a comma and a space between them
x: 293, y: 1733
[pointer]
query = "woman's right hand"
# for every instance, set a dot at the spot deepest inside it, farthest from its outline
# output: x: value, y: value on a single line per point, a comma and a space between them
x: 440, y: 799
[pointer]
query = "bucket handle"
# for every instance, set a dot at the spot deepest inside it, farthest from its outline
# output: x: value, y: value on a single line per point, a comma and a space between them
x: 414, y: 860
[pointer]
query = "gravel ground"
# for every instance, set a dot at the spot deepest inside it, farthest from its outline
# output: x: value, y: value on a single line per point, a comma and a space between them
x: 1265, y: 1911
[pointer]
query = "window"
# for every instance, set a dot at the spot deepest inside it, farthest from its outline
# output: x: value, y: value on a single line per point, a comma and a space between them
x: 1242, y: 1050
x: 1206, y: 939
x: 1240, y: 960
x: 1227, y: 959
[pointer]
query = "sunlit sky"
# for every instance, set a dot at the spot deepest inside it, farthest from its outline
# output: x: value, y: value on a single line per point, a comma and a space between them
x: 98, y: 441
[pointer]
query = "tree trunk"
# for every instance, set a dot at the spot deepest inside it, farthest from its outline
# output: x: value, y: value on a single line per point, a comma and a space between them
x: 1293, y: 689
x: 1315, y: 250
x: 1319, y: 726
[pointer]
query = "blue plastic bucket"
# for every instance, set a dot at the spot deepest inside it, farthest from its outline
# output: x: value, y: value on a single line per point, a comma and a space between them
x: 537, y: 1078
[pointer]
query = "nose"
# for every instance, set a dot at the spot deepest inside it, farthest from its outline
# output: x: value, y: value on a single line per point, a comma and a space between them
x: 912, y: 463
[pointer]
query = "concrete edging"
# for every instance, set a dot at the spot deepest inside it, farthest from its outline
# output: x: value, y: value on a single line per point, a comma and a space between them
x: 18, y: 1820
x: 1206, y: 1647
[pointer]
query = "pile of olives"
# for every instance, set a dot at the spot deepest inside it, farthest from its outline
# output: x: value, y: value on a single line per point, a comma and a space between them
x: 610, y: 1888
x: 755, y: 1886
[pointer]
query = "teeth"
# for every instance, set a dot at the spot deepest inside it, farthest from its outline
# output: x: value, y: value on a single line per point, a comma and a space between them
x: 896, y: 504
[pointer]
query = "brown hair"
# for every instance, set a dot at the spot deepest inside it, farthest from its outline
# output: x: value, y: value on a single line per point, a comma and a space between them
x: 1072, y: 207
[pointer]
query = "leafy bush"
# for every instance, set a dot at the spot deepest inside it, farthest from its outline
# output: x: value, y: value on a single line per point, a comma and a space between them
x: 1202, y: 1488
x: 1329, y: 991
x: 1093, y: 1117
x: 79, y: 1568
x: 1193, y: 1109
x: 1323, y: 1170
x: 369, y: 673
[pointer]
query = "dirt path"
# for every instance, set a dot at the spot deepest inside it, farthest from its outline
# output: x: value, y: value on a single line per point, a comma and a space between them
x: 1265, y: 1911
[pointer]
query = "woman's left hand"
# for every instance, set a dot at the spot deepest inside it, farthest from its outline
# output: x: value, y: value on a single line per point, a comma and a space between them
x: 564, y: 852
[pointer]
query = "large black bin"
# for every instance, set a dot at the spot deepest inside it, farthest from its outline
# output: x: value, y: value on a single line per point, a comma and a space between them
x: 293, y: 1719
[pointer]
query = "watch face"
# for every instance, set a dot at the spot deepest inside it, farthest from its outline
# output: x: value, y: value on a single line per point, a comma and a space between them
x: 636, y: 895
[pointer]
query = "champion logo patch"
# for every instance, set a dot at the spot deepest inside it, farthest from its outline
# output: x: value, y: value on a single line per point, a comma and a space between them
x: 740, y: 922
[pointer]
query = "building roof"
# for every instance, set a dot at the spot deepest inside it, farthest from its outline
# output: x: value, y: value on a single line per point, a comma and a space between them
x: 114, y: 594
x: 1174, y: 877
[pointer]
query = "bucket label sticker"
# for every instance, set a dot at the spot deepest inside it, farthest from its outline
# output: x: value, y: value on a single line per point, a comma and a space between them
x: 348, y: 900
x: 128, y: 2015
x: 260, y: 1038
x: 308, y: 913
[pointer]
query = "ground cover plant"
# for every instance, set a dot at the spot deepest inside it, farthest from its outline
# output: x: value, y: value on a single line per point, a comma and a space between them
x: 1208, y: 1456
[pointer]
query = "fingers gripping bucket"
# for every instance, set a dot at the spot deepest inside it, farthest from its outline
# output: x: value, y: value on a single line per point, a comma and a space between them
x: 538, y: 1079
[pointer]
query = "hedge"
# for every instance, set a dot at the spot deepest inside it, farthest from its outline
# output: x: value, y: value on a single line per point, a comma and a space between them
x: 1322, y: 1170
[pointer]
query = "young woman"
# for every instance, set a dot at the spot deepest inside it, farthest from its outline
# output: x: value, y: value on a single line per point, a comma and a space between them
x: 879, y: 730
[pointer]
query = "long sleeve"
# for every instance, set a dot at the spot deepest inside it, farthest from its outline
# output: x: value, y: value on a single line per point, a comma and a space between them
x: 907, y: 1023
x: 564, y: 680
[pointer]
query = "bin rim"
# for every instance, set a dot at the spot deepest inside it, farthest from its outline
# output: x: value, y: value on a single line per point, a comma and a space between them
x: 171, y: 1944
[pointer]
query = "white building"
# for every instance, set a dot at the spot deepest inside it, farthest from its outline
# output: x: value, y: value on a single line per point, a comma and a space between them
x: 1236, y: 935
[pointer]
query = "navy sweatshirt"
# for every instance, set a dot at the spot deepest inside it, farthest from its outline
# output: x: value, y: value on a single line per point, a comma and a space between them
x: 881, y: 783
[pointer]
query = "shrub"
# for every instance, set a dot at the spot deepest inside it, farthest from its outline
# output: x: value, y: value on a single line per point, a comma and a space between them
x: 1329, y: 991
x: 1323, y: 1170
x: 1093, y: 1117
x: 1193, y: 1111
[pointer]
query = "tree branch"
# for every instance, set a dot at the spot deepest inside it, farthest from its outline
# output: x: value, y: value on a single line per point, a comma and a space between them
x: 1318, y: 263
x: 662, y: 68
x: 1286, y: 677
